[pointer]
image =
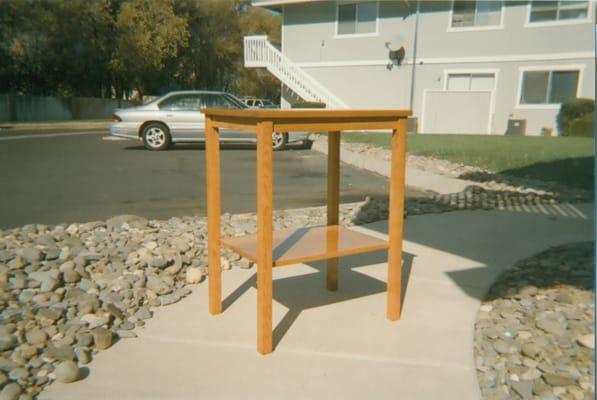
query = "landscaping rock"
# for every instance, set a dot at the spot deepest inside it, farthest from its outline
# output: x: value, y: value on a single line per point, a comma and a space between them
x: 102, y: 338
x: 67, y: 372
x: 7, y: 342
x: 535, y: 328
x: 10, y: 392
x: 132, y: 221
x: 194, y: 275
x: 143, y: 313
x: 71, y: 276
x: 61, y: 352
x: 587, y: 341
x: 83, y: 356
x: 36, y: 336
x: 32, y: 254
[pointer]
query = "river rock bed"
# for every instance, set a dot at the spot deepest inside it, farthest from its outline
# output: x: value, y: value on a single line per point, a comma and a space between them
x: 534, y: 336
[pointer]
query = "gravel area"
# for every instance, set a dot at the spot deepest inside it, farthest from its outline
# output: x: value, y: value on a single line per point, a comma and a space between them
x: 534, y: 336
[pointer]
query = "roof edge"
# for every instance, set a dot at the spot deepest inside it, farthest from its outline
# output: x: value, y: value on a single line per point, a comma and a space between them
x: 277, y: 4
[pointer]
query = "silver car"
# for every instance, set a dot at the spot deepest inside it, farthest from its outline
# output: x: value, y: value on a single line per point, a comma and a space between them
x: 176, y: 118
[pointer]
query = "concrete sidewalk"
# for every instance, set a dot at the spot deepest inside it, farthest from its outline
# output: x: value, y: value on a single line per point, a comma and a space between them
x: 336, y: 345
x: 414, y: 177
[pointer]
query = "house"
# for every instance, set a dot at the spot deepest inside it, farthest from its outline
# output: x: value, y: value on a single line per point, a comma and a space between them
x: 480, y: 67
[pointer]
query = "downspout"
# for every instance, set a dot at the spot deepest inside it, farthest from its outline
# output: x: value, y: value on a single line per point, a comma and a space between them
x: 414, y: 57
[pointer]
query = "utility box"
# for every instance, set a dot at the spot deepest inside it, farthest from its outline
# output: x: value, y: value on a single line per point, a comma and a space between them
x: 413, y: 125
x: 517, y: 127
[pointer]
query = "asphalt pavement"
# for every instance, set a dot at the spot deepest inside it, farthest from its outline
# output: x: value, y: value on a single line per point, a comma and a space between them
x: 51, y: 177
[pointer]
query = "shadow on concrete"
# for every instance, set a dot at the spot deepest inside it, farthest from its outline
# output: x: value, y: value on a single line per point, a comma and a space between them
x: 475, y: 198
x: 300, y: 293
x: 489, y: 239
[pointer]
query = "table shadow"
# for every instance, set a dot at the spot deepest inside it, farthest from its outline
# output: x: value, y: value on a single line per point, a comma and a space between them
x: 306, y: 291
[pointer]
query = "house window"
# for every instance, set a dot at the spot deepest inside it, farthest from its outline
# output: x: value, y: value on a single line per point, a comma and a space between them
x: 357, y: 18
x: 548, y: 87
x: 542, y: 11
x: 466, y: 13
x: 470, y: 82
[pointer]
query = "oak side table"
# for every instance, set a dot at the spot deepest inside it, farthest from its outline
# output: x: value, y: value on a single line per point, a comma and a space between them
x: 290, y: 246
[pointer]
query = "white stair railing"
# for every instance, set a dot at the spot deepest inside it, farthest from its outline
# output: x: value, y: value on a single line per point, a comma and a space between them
x: 260, y: 53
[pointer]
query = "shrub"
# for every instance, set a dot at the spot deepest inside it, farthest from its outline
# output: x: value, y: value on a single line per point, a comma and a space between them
x: 583, y: 126
x: 572, y: 110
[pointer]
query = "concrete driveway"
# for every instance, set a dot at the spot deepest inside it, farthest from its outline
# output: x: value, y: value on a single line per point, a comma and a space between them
x: 336, y: 345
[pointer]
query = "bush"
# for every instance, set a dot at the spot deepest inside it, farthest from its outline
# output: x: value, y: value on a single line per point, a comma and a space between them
x: 572, y: 110
x: 583, y: 126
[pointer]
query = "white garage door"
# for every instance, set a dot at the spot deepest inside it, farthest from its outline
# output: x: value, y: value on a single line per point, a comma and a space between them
x: 453, y: 111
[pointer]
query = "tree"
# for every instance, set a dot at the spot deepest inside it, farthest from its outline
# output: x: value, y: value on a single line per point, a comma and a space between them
x: 257, y: 81
x: 150, y: 35
x: 111, y: 47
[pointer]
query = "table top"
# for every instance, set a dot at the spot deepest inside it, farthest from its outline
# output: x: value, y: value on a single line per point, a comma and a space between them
x: 305, y: 120
x: 305, y: 113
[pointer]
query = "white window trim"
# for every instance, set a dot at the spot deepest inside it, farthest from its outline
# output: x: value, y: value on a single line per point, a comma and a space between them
x: 548, y: 68
x: 475, y: 28
x: 526, y: 58
x: 559, y: 22
x: 357, y: 35
x: 496, y: 75
x: 494, y: 71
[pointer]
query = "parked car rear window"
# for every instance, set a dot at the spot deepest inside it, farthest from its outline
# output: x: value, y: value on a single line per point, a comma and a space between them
x: 183, y: 102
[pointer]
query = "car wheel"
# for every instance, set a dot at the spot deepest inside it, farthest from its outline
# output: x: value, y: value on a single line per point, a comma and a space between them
x: 279, y: 140
x: 156, y: 137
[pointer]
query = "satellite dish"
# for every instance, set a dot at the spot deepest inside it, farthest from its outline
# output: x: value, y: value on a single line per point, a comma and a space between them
x: 396, y: 51
x: 395, y: 42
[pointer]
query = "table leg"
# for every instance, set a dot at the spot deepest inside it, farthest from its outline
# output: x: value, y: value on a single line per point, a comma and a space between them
x: 333, y: 205
x: 396, y: 220
x: 212, y: 168
x: 264, y: 237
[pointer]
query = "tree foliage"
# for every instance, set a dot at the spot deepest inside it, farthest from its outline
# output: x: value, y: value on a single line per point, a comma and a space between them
x: 112, y: 48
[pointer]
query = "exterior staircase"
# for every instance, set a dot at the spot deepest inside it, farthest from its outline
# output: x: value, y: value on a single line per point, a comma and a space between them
x: 259, y: 52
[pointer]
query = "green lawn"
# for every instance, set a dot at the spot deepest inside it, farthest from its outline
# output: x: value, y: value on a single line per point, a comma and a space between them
x: 567, y: 160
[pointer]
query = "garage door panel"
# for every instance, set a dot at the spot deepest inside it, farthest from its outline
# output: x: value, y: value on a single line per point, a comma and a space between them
x: 457, y: 112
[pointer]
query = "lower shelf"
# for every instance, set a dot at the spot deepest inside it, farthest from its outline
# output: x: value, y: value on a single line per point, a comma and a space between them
x: 292, y: 246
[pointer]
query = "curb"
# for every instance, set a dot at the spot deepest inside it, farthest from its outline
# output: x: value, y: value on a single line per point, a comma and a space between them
x: 414, y: 177
x: 11, y: 127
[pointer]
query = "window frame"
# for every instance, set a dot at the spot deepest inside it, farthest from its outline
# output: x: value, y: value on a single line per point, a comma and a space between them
x: 482, y: 71
x: 549, y: 68
x: 557, y: 22
x: 475, y: 28
x: 356, y: 35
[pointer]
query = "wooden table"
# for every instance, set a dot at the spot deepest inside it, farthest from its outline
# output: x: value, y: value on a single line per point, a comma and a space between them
x: 272, y: 249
